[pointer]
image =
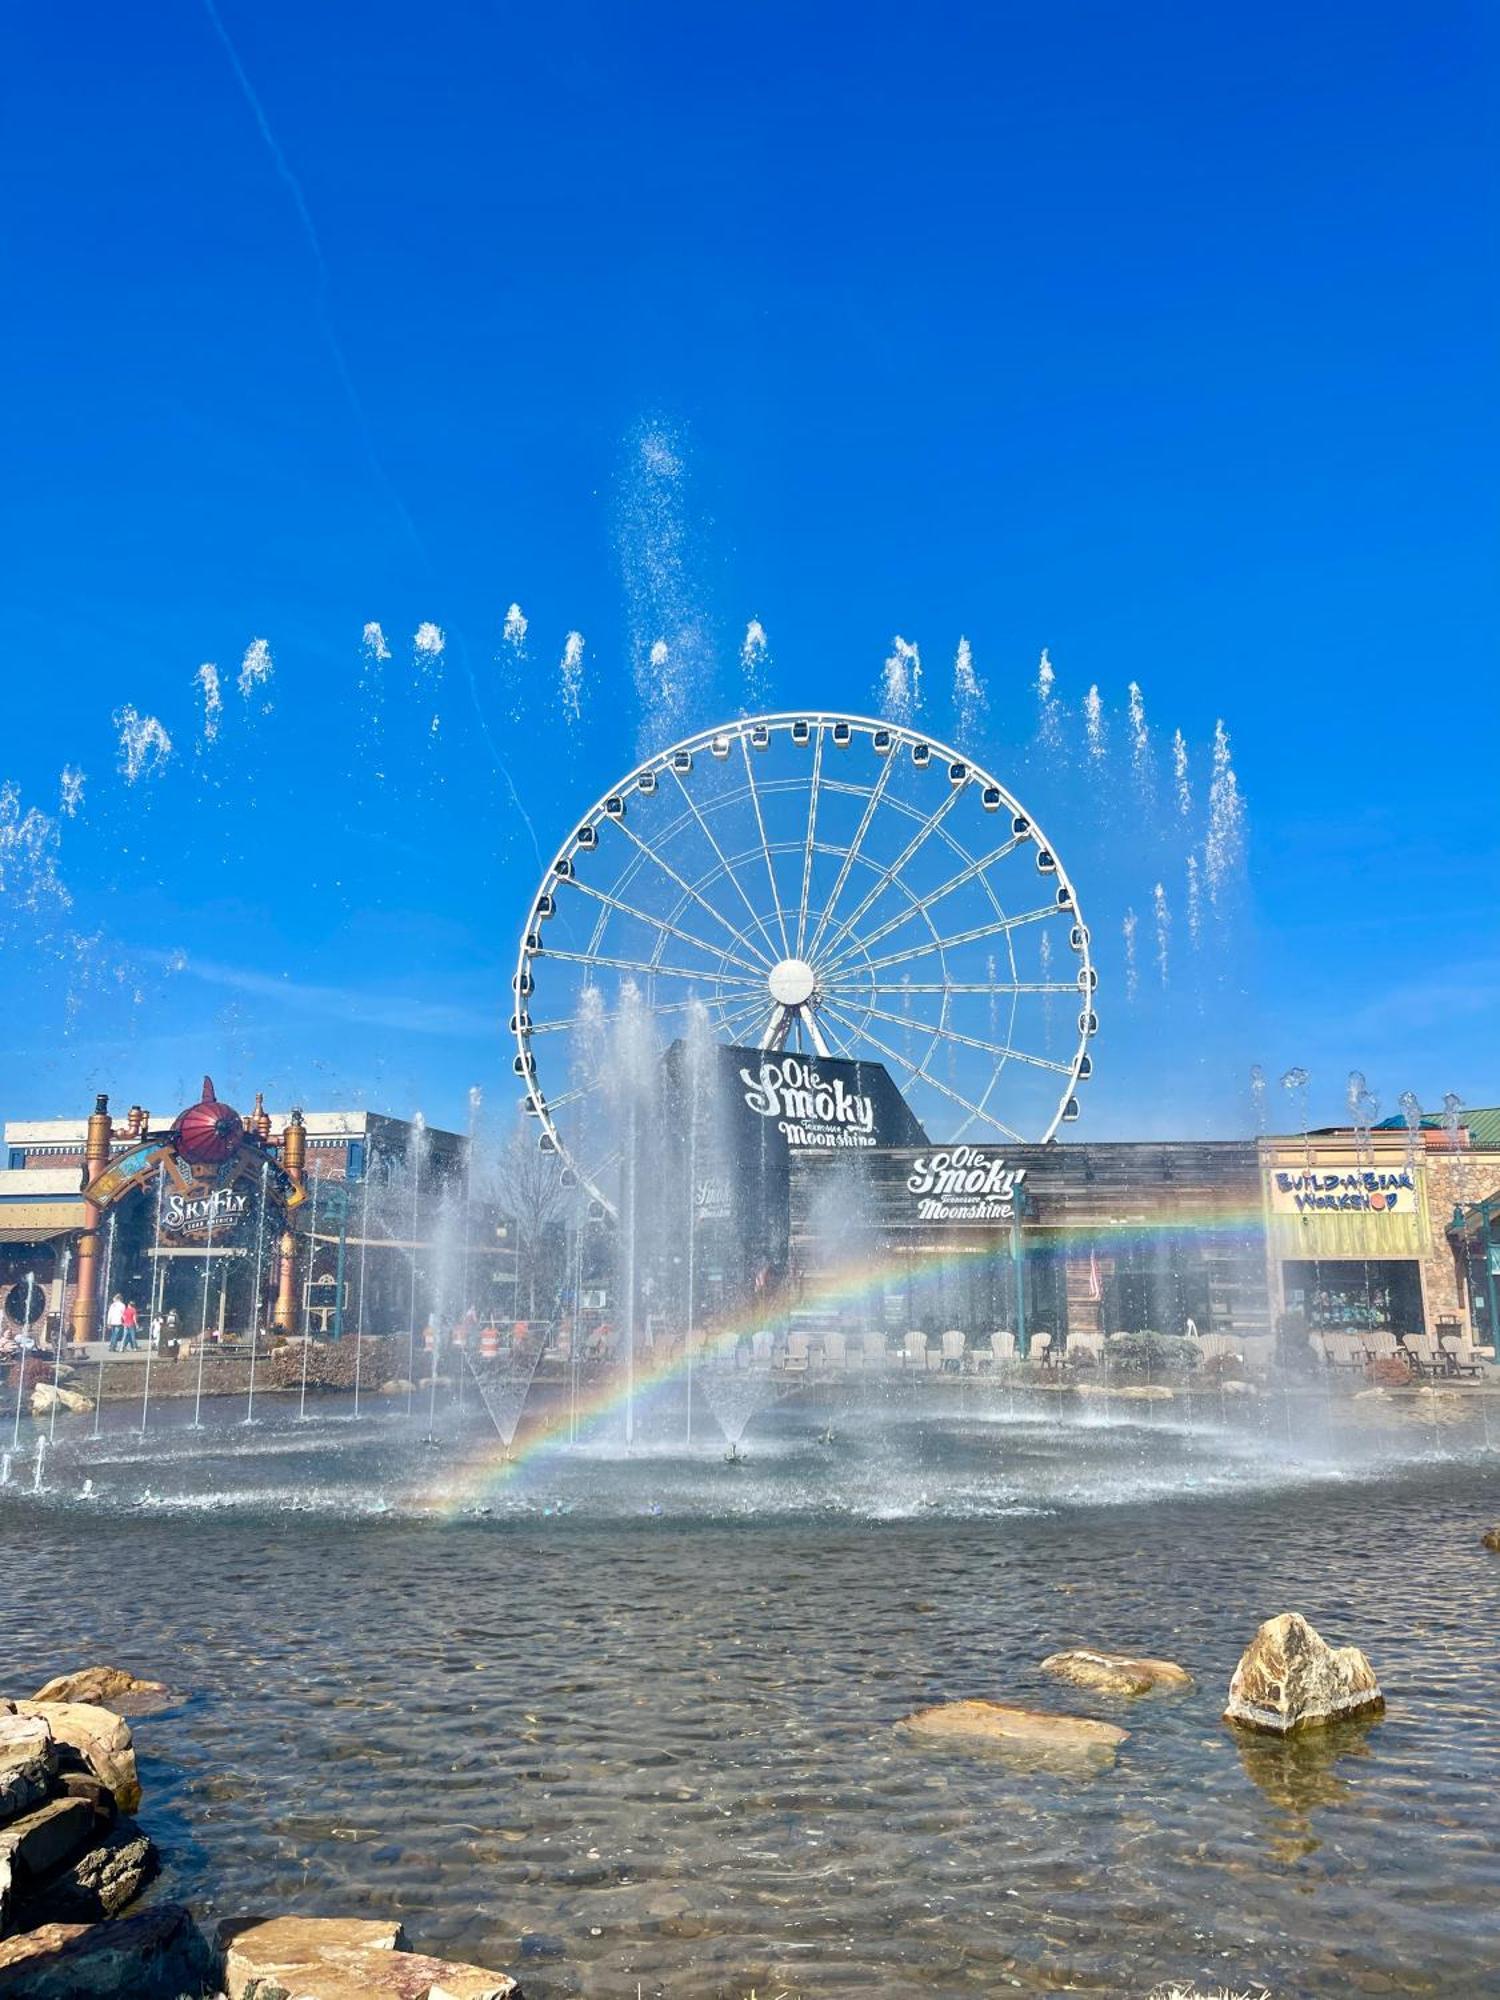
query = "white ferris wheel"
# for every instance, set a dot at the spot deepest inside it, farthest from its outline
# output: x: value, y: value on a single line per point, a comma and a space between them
x: 825, y: 883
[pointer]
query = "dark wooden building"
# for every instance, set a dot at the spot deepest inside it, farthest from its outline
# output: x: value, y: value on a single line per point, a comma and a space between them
x: 1102, y: 1238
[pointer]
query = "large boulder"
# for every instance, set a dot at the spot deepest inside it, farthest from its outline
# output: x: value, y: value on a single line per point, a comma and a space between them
x: 28, y: 1760
x: 99, y: 1883
x: 159, y: 1955
x: 109, y: 1687
x: 1290, y: 1679
x: 1024, y: 1734
x: 342, y: 1958
x: 1490, y: 1540
x: 94, y: 1739
x: 47, y: 1394
x: 1116, y: 1673
x: 33, y: 1846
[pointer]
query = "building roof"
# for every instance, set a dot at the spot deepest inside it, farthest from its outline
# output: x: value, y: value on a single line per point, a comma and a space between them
x: 1481, y: 1122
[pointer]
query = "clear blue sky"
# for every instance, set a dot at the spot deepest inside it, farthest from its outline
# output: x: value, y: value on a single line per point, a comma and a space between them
x: 1164, y: 339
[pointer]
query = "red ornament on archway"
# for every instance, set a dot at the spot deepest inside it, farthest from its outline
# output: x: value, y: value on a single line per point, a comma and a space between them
x: 208, y: 1131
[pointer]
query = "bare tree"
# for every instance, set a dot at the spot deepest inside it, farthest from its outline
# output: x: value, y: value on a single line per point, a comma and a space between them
x: 526, y: 1185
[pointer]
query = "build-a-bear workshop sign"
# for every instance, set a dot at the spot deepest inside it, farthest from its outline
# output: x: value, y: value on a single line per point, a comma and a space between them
x: 206, y: 1168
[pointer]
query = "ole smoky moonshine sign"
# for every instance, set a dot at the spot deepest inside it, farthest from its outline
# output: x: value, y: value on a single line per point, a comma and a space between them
x: 964, y: 1184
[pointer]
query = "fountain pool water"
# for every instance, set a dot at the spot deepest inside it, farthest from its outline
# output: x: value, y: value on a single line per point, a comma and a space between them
x: 621, y: 1718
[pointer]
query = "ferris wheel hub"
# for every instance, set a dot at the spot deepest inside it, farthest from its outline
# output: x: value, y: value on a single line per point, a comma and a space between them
x: 792, y: 982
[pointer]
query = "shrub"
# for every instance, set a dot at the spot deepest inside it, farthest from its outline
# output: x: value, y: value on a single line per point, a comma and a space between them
x: 1148, y: 1353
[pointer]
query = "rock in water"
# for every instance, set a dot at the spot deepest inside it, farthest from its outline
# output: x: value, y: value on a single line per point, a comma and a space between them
x: 1491, y: 1540
x: 45, y: 1394
x: 342, y: 1958
x: 1024, y: 1733
x: 109, y: 1687
x: 1116, y: 1673
x: 100, y: 1883
x: 28, y: 1759
x: 1289, y: 1679
x: 97, y: 1740
x: 159, y: 1955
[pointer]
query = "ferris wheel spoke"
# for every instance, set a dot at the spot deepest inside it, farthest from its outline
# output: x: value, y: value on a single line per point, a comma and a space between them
x: 845, y: 983
x: 807, y: 854
x: 957, y: 881
x: 662, y: 924
x: 765, y: 848
x: 704, y: 975
x: 692, y: 806
x: 1004, y: 1050
x: 587, y: 1021
x: 854, y: 847
x: 740, y: 1017
x: 888, y: 874
x: 922, y: 1074
x: 650, y: 854
x: 1003, y: 926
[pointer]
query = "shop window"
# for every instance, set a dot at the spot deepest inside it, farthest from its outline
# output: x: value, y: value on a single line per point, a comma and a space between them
x: 1355, y: 1295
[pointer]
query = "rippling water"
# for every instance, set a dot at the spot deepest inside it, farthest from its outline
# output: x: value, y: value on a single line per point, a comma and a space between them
x: 615, y: 1722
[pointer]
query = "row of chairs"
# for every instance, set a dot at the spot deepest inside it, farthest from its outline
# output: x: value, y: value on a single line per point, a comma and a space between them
x: 1426, y: 1356
x: 957, y: 1353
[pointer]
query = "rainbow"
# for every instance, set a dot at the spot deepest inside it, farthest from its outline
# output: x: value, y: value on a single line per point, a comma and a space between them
x: 846, y: 1288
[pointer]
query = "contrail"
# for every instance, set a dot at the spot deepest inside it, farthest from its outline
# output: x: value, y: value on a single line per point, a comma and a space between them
x: 309, y: 230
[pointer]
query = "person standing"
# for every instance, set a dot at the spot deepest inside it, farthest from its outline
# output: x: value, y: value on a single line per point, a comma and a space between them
x: 129, y: 1321
x: 114, y: 1323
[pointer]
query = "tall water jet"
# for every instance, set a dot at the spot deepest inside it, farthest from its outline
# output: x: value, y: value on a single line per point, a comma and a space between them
x: 307, y: 1285
x: 900, y: 692
x: 755, y: 659
x: 208, y: 1265
x: 968, y: 692
x: 15, y: 1436
x: 62, y: 1320
x: 1093, y: 724
x: 1224, y: 846
x: 1163, y: 930
x: 105, y: 1282
x: 1049, y: 722
x: 418, y: 1133
x: 1258, y: 1098
x: 1181, y: 786
x: 1128, y: 926
x: 158, y: 1281
x: 570, y: 679
x: 259, y: 1291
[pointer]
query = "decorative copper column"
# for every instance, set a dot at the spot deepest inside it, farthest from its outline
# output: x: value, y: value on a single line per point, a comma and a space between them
x: 293, y: 1160
x: 95, y: 1160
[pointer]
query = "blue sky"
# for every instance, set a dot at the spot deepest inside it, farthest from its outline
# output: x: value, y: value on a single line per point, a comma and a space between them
x: 1164, y: 342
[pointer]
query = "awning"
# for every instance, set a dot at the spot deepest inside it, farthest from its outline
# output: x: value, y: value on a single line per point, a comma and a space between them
x: 39, y: 1221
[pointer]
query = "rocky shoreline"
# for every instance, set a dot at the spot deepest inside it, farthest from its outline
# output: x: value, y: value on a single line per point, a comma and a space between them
x: 73, y: 1859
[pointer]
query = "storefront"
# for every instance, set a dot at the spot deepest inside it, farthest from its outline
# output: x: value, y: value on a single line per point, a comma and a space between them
x: 1474, y: 1233
x: 1356, y: 1230
x: 1057, y: 1239
x: 218, y: 1222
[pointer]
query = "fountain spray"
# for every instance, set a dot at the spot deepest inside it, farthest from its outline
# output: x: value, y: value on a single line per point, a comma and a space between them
x: 255, y: 1297
x: 109, y: 1265
x: 307, y: 1285
x: 359, y: 1318
x: 208, y: 1265
x: 418, y: 1127
x: 15, y: 1436
x: 158, y: 1286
